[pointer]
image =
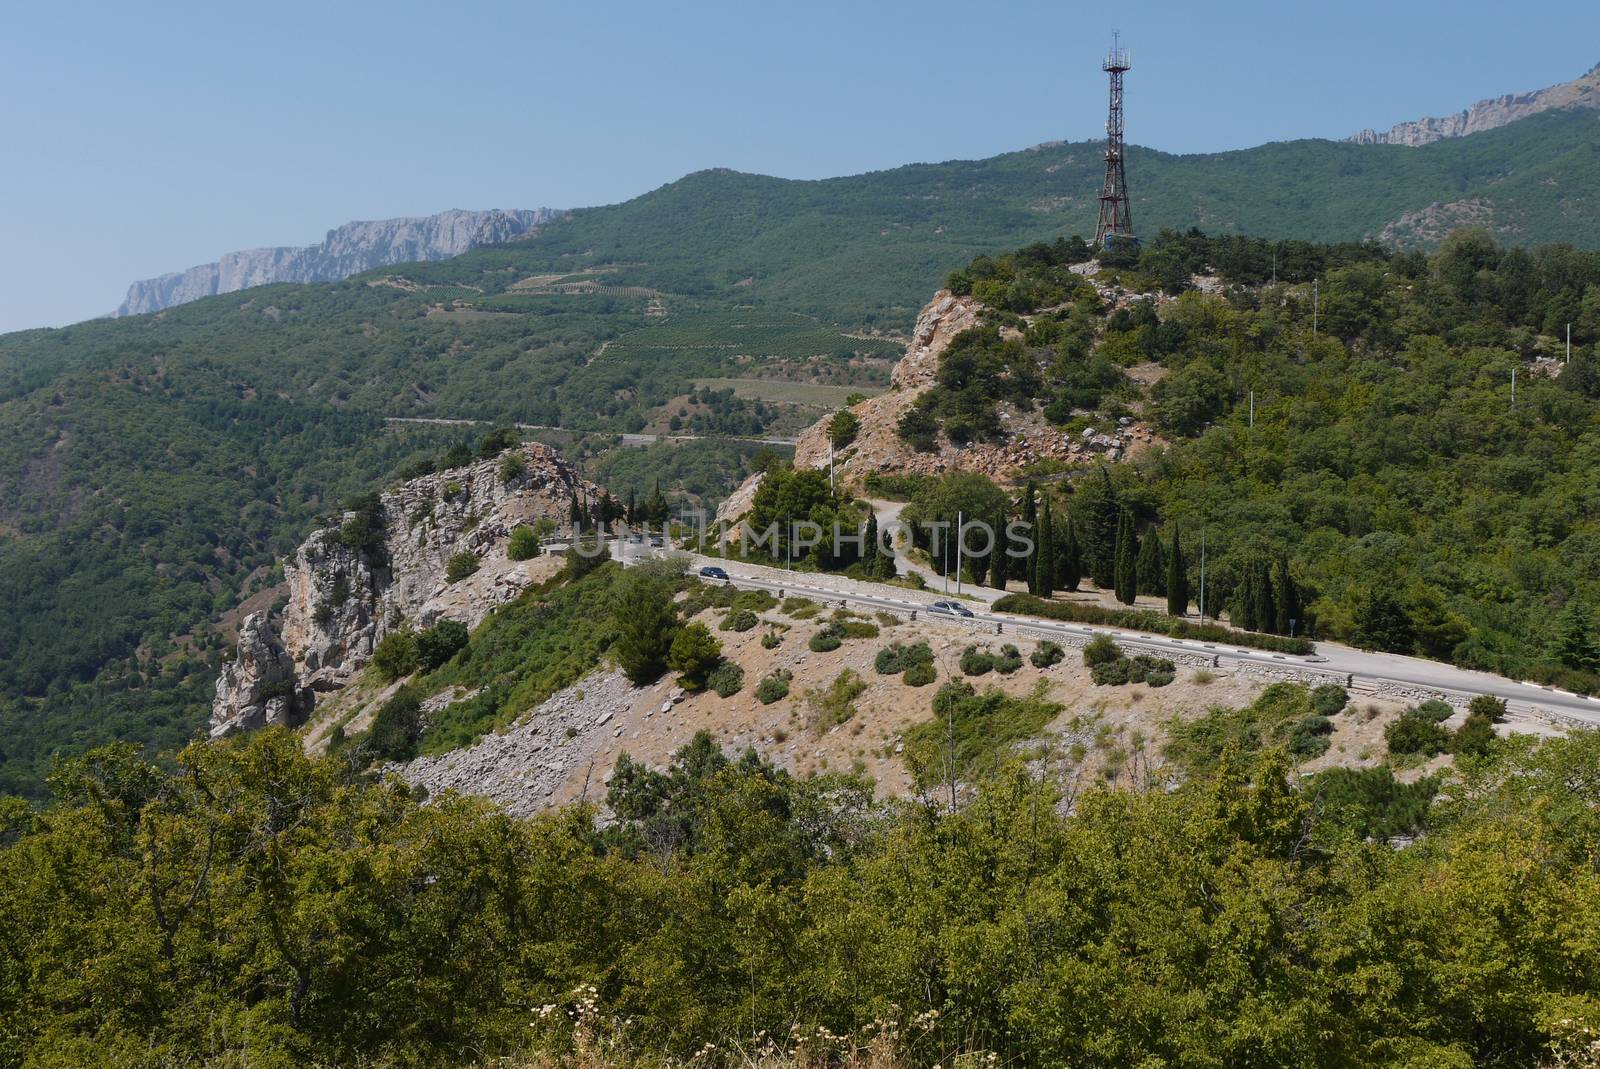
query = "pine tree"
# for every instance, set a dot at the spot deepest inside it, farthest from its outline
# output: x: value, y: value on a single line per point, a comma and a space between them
x: 1177, y: 579
x: 1152, y: 566
x: 1045, y: 578
x: 1287, y: 598
x: 869, y: 550
x: 1127, y: 558
x: 632, y: 513
x: 1069, y: 557
x: 1575, y: 644
x: 999, y: 563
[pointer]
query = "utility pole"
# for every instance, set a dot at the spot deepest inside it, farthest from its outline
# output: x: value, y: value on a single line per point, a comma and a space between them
x: 830, y: 461
x: 1252, y: 408
x: 1513, y: 386
x: 1569, y: 343
x: 1316, y: 302
x: 1202, y: 576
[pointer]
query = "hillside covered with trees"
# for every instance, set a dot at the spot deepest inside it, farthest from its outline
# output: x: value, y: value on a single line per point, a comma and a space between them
x: 254, y: 906
x: 1363, y: 434
x: 152, y: 468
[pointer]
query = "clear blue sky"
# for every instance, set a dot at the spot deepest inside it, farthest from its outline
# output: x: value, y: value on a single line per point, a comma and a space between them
x: 137, y: 139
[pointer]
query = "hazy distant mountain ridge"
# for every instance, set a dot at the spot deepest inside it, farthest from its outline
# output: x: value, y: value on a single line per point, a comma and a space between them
x: 1581, y: 92
x: 347, y: 250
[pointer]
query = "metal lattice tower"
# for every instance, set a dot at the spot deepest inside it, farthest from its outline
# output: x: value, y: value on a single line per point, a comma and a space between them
x: 1116, y: 219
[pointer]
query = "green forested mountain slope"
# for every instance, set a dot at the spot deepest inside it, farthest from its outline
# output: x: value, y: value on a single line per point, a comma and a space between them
x: 876, y: 244
x: 149, y: 465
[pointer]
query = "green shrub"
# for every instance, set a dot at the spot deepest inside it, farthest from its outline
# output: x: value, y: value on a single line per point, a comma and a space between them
x: 828, y: 639
x: 1152, y: 671
x: 1488, y: 706
x: 1433, y: 710
x: 695, y: 652
x: 396, y: 655
x: 1047, y: 654
x: 1101, y: 650
x: 727, y: 679
x: 1309, y: 737
x: 1008, y: 660
x: 774, y: 687
x: 512, y: 466
x: 856, y: 628
x: 1148, y: 620
x: 1329, y: 699
x: 896, y: 658
x: 920, y: 674
x: 800, y: 608
x: 835, y: 704
x: 524, y: 544
x: 739, y: 620
x: 460, y: 566
x: 771, y: 640
x: 1411, y: 734
x: 439, y: 643
x: 396, y: 727
x: 1475, y: 737
x: 976, y: 662
x: 1159, y: 677
x: 1111, y: 673
x: 753, y: 600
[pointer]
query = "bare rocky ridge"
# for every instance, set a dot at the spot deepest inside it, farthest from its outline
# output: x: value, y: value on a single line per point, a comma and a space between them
x: 347, y: 250
x: 1581, y: 92
x: 342, y: 603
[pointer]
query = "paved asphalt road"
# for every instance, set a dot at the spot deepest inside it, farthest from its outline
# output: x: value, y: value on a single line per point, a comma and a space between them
x: 1331, y: 658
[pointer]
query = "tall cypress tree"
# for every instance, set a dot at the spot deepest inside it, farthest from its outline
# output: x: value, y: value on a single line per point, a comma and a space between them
x: 1045, y: 577
x: 999, y: 563
x: 1098, y: 534
x: 1025, y: 567
x: 1127, y: 560
x: 1287, y: 597
x: 976, y: 565
x: 1177, y: 579
x: 869, y: 551
x: 1152, y: 566
x: 1242, y: 608
x: 1266, y: 608
x: 1069, y: 556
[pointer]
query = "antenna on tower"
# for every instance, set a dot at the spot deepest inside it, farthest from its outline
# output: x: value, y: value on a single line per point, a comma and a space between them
x: 1116, y: 220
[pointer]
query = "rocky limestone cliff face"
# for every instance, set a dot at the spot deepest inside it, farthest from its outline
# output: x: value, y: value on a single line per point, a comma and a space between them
x: 347, y: 250
x: 1582, y: 92
x: 878, y: 446
x: 258, y: 686
x: 343, y: 601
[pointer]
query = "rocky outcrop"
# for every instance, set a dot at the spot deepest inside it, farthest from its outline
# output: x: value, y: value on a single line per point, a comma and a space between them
x: 347, y: 250
x: 878, y: 446
x: 1030, y: 438
x: 258, y: 687
x: 343, y: 599
x: 1582, y: 92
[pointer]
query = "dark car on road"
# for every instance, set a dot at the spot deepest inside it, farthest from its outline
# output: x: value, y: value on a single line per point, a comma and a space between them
x: 711, y: 571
